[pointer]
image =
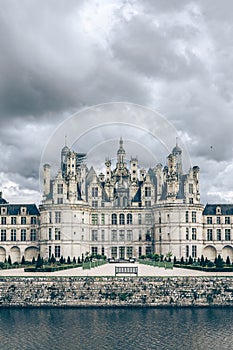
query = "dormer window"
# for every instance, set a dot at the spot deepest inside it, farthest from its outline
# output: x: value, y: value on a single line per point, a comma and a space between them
x: 218, y: 210
x: 23, y: 210
x: 3, y: 211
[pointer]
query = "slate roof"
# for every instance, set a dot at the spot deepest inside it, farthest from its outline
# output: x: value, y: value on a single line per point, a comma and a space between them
x: 226, y: 209
x: 15, y: 209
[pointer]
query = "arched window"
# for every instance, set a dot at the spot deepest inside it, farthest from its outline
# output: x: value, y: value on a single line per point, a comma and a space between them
x: 125, y: 202
x: 129, y: 219
x: 122, y: 219
x: 114, y: 219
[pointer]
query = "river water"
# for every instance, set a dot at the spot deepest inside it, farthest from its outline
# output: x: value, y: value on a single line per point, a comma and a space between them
x: 123, y: 329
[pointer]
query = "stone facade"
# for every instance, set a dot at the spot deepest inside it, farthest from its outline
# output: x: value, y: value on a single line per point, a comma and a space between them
x: 124, y: 212
x: 116, y: 291
x: 19, y: 230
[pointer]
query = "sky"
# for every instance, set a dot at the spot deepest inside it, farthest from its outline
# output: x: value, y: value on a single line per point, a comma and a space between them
x: 59, y: 58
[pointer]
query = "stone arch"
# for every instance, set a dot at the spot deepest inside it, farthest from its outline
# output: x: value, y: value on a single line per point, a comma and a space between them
x: 227, y: 251
x: 210, y: 252
x: 2, y: 254
x: 15, y: 254
x: 30, y: 253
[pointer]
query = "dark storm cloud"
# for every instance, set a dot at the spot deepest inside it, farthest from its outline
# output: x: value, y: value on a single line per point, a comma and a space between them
x: 58, y: 57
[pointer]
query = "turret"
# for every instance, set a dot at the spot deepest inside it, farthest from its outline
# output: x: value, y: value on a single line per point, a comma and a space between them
x: 47, y: 179
x: 177, y: 152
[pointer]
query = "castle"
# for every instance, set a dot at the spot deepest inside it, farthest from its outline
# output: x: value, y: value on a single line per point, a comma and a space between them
x: 125, y: 212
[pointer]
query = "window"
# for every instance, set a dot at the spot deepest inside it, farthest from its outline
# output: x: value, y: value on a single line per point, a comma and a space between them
x: 227, y: 220
x: 139, y: 219
x: 187, y: 251
x: 57, y: 235
x: 148, y: 219
x: 57, y: 217
x: 33, y: 234
x: 50, y: 251
x: 23, y: 235
x: 129, y: 219
x: 140, y: 235
x: 190, y: 200
x: 129, y: 252
x: 218, y: 220
x: 148, y: 236
x: 114, y: 252
x: 129, y: 235
x: 227, y: 234
x: 57, y: 251
x: 114, y: 219
x: 33, y: 220
x: 187, y: 233
x: 50, y: 233
x: 102, y: 251
x: 59, y: 188
x: 60, y: 201
x: 94, y: 219
x: 94, y: 204
x: 190, y: 188
x: 194, y: 251
x: 148, y: 204
x: 194, y: 216
x: 219, y: 234
x: 122, y: 219
x: 102, y: 219
x: 139, y: 251
x: 3, y: 220
x: 186, y: 216
x: 114, y: 235
x: 94, y: 191
x: 94, y: 250
x: 13, y: 220
x: 3, y: 235
x: 102, y: 235
x: 94, y: 235
x: 209, y: 220
x: 13, y: 235
x: 147, y: 191
x: 209, y: 234
x: 50, y: 217
x: 121, y: 235
x: 194, y: 233
x: 148, y: 249
x: 23, y: 220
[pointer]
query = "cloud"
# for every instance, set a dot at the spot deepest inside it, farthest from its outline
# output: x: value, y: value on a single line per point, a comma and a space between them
x: 60, y: 57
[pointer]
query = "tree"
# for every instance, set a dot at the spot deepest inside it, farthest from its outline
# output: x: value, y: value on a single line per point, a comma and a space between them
x: 74, y: 260
x: 68, y: 260
x: 33, y: 260
x: 174, y: 260
x: 219, y: 262
x: 168, y: 256
x: 39, y: 261
x: 182, y: 260
x: 9, y: 260
x: 202, y: 262
x: 190, y: 262
x: 228, y: 262
x: 53, y: 260
x: 61, y: 260
x: 23, y: 260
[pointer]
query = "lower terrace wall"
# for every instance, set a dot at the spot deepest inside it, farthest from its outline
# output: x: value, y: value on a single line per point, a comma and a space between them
x: 115, y: 291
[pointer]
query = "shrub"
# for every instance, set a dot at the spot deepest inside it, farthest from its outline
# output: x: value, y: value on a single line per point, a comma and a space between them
x: 228, y: 262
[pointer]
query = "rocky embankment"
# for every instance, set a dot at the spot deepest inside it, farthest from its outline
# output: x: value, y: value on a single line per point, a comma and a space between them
x: 115, y: 291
